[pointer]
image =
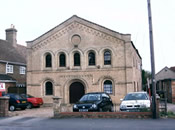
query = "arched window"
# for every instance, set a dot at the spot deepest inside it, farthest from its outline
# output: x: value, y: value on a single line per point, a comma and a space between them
x: 91, y: 58
x: 49, y: 88
x: 62, y: 60
x: 108, y: 86
x: 107, y: 58
x: 48, y: 60
x: 76, y: 59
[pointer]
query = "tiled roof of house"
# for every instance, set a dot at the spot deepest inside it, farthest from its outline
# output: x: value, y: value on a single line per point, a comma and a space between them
x: 172, y: 68
x: 12, y: 54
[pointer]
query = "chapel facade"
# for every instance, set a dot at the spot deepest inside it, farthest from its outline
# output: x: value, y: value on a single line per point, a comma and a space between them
x: 77, y: 57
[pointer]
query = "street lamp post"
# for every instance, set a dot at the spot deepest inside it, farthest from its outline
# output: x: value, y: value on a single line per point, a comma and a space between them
x: 154, y: 111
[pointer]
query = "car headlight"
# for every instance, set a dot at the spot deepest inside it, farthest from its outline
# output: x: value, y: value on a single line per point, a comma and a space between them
x: 75, y: 106
x: 122, y: 106
x: 94, y: 106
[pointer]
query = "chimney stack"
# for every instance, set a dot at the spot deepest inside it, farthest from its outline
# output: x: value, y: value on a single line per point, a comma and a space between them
x: 11, y: 35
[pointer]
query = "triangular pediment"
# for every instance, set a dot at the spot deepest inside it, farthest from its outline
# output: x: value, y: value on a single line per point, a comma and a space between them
x: 79, y: 23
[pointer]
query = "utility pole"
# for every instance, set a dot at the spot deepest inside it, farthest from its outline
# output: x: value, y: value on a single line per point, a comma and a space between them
x: 154, y: 111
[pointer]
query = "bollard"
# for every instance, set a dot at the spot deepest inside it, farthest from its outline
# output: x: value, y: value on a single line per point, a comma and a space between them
x: 4, y: 106
x: 56, y: 106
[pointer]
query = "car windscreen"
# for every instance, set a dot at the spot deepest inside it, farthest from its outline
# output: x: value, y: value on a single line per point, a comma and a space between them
x: 91, y: 97
x: 136, y: 96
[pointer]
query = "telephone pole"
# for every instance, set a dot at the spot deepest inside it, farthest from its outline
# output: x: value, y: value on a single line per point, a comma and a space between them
x: 154, y: 111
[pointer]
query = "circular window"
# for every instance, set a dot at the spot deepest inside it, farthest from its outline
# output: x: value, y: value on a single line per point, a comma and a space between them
x: 76, y: 39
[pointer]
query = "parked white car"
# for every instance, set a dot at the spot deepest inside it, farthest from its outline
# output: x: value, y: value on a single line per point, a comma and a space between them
x: 135, y: 101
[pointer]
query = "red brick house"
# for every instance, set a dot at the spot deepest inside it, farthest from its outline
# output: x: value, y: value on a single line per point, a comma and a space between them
x: 12, y: 63
x: 165, y: 81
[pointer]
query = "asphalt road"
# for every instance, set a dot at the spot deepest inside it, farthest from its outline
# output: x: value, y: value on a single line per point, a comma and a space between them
x: 38, y: 123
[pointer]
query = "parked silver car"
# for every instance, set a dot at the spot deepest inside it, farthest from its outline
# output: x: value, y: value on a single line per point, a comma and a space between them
x: 135, y: 101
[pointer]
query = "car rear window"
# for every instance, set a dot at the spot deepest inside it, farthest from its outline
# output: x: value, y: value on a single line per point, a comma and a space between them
x: 18, y: 97
x: 136, y: 96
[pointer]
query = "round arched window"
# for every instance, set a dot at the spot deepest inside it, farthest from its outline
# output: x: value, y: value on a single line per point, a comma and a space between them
x: 76, y: 59
x: 91, y: 58
x: 48, y: 60
x: 108, y: 86
x: 62, y: 60
x: 107, y: 58
x: 49, y: 88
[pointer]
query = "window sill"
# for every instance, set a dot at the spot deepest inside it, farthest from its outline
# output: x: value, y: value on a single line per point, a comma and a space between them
x: 49, y: 68
x: 107, y: 66
x: 92, y: 67
x: 62, y: 68
x: 76, y: 67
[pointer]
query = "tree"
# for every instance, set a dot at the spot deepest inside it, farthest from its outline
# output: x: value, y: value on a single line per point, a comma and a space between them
x: 145, y: 75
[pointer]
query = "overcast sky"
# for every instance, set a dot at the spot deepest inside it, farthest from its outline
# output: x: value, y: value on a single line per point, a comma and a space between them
x: 33, y: 18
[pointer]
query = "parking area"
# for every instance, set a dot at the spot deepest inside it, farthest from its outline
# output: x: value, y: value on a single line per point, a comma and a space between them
x: 34, y: 112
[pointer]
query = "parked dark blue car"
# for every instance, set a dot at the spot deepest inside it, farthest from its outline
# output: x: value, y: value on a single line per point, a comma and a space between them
x: 16, y: 101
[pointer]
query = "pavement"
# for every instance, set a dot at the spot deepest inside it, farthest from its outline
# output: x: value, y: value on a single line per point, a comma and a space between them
x: 171, y: 107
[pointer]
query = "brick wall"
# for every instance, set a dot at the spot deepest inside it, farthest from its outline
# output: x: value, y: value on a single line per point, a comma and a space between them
x: 135, y: 115
x: 21, y: 78
x: 2, y: 68
x: 4, y: 105
x: 8, y: 85
x: 173, y: 91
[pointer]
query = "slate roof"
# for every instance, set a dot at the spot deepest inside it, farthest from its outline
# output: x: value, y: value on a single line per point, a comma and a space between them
x: 172, y: 68
x: 12, y: 54
x: 7, y: 77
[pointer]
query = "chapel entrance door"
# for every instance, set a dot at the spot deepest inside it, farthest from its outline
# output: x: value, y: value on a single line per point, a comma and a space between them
x: 76, y: 91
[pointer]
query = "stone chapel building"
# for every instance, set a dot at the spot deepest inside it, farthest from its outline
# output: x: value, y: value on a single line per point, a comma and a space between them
x: 77, y: 57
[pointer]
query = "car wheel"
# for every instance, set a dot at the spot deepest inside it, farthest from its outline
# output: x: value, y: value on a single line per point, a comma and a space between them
x: 12, y: 108
x: 29, y: 106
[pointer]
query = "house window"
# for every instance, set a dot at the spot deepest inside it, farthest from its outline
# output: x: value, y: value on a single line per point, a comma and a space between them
x: 107, y: 58
x: 91, y: 58
x: 49, y: 88
x: 22, y: 70
x: 108, y: 86
x: 76, y: 59
x: 48, y: 60
x: 62, y: 60
x: 9, y: 68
